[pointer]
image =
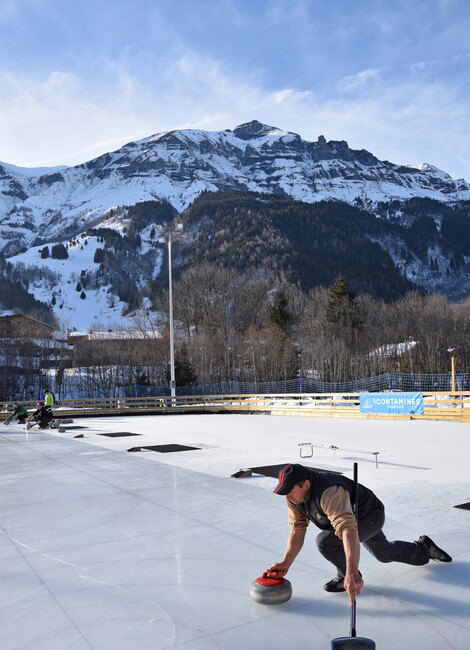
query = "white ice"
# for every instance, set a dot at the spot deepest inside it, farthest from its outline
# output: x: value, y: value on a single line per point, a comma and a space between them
x: 101, y: 548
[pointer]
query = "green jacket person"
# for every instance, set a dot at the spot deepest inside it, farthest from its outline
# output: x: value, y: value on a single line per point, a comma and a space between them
x: 20, y: 413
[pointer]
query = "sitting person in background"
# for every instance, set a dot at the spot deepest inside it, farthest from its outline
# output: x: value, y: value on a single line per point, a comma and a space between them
x: 42, y: 417
x: 48, y: 398
x: 19, y: 414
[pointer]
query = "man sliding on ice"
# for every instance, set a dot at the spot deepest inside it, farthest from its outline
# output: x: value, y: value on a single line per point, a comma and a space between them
x: 326, y: 500
x: 19, y: 414
x: 42, y: 417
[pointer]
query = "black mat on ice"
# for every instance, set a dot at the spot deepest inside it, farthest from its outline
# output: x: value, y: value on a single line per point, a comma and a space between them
x: 273, y: 471
x: 164, y: 449
x: 465, y: 506
x: 119, y: 434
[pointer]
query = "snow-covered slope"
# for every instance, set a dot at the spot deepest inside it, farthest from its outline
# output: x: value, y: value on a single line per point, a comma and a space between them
x: 79, y: 299
x: 42, y: 205
x: 58, y: 279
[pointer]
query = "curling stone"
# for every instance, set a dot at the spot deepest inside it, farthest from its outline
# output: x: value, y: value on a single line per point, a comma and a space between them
x: 61, y: 429
x: 268, y: 589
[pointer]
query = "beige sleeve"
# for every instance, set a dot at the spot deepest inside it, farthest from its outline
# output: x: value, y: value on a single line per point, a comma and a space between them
x: 296, y: 518
x: 336, y: 504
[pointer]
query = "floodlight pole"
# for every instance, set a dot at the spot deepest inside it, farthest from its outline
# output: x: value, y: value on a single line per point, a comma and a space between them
x: 166, y: 238
x: 453, y: 381
x: 172, y: 335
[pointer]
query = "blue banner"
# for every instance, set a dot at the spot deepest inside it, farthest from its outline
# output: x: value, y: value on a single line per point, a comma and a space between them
x: 391, y: 403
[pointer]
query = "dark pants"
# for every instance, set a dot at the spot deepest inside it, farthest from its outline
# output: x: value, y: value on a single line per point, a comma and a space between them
x: 43, y: 422
x: 372, y: 537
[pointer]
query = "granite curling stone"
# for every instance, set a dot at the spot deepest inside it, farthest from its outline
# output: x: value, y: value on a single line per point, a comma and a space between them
x: 270, y: 590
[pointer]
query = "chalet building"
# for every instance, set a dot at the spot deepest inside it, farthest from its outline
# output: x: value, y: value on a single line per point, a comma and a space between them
x: 396, y: 357
x: 18, y: 326
x: 91, y: 348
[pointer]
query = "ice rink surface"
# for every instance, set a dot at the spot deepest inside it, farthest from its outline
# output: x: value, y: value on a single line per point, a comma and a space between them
x: 104, y: 548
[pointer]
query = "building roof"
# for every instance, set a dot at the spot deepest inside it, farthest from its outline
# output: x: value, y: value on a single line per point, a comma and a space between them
x: 394, y: 349
x: 8, y: 315
x: 118, y: 335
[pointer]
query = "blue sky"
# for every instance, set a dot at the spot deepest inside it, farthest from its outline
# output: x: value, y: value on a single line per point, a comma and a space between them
x: 82, y: 77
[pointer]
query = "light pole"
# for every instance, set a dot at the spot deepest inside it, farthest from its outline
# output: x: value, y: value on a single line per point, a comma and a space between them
x: 166, y: 237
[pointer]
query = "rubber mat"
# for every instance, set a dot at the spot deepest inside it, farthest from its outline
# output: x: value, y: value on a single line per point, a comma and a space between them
x: 164, y: 449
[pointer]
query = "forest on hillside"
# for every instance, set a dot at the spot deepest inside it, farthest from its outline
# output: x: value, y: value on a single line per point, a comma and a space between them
x: 311, y: 244
x: 239, y: 327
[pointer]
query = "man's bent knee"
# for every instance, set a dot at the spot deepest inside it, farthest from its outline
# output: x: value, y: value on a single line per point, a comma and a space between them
x: 327, y: 540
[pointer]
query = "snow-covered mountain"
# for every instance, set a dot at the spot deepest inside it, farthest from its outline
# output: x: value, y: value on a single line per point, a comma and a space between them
x: 42, y: 205
x: 106, y: 212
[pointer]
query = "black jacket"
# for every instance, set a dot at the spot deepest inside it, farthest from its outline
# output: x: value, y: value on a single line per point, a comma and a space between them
x: 368, y: 503
x: 44, y: 413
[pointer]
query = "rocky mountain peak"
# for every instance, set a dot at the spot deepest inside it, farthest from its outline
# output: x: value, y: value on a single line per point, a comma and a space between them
x: 253, y: 129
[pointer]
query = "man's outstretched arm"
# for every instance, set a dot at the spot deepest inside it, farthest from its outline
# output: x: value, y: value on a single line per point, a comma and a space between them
x: 353, y: 582
x: 294, y: 544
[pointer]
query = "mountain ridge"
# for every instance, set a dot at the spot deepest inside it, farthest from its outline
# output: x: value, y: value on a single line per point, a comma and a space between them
x: 177, y: 166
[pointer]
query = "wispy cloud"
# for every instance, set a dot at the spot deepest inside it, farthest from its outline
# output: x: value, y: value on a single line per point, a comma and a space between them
x: 289, y: 94
x: 357, y: 81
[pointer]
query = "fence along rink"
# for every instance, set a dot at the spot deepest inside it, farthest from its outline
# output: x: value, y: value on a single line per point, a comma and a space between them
x: 387, y: 382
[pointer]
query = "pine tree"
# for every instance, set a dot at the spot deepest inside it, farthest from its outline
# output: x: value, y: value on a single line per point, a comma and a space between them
x: 99, y: 255
x: 279, y: 313
x: 343, y: 308
x: 185, y: 375
x: 59, y: 252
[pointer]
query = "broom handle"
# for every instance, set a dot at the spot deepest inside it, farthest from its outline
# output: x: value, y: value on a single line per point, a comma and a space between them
x: 355, y: 507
